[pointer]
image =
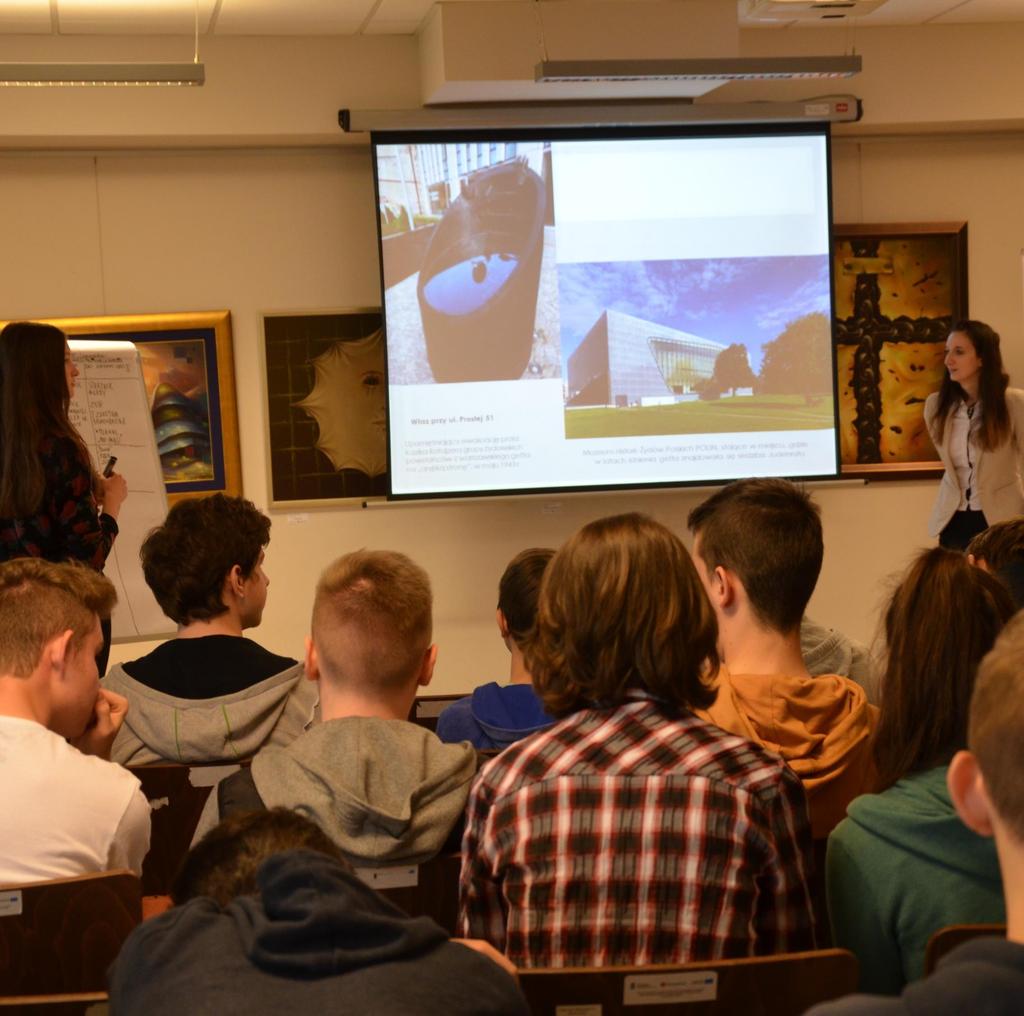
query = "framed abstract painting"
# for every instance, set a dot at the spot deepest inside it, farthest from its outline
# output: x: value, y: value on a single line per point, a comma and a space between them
x: 899, y: 287
x: 188, y: 368
x: 326, y: 407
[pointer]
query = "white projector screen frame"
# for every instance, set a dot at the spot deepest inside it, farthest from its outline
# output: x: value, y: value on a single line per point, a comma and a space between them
x: 605, y: 309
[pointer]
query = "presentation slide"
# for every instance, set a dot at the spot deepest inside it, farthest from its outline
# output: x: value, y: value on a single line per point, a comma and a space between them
x: 617, y: 311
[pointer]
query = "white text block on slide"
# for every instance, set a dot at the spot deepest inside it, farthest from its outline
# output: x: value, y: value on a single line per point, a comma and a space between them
x: 111, y: 411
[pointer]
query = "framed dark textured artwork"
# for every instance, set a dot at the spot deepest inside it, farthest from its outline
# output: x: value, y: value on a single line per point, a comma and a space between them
x: 899, y: 287
x: 189, y: 373
x: 326, y: 407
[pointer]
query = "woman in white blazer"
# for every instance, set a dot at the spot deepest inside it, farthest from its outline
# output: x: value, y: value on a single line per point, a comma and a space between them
x: 977, y: 426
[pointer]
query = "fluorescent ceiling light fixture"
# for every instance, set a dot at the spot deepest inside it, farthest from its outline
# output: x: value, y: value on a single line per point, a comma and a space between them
x: 710, y: 69
x: 43, y: 74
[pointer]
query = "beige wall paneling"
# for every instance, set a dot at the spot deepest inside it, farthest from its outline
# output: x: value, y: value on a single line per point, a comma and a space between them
x: 283, y: 229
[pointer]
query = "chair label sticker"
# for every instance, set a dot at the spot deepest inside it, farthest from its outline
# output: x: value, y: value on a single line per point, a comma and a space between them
x: 577, y: 1010
x: 394, y: 877
x: 210, y: 776
x: 10, y: 902
x: 653, y: 989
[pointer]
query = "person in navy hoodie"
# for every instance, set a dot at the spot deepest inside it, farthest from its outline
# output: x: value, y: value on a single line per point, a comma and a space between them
x: 495, y: 715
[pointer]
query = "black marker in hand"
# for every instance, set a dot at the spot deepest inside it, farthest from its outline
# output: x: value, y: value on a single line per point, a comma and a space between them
x: 108, y: 469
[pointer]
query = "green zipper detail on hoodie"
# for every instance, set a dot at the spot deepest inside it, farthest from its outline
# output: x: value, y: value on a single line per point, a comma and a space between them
x: 227, y: 724
x: 177, y: 740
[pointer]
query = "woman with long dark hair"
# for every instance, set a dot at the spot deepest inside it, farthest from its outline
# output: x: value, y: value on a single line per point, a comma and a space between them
x: 976, y: 423
x: 901, y: 865
x: 53, y: 503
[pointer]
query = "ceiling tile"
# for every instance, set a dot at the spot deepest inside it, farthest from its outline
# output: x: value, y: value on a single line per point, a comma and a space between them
x: 132, y: 17
x: 402, y: 10
x: 25, y: 17
x: 983, y: 10
x: 377, y: 27
x: 893, y: 12
x: 908, y: 12
x: 292, y: 17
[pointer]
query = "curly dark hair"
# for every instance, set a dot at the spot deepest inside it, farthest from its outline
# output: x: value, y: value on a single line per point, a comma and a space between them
x: 621, y: 607
x: 187, y: 559
x: 224, y: 863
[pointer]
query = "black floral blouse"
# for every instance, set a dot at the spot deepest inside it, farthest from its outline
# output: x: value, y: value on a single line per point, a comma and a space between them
x: 68, y: 525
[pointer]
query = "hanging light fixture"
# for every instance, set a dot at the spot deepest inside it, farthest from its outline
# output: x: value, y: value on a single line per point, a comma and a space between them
x: 35, y: 75
x: 704, y: 69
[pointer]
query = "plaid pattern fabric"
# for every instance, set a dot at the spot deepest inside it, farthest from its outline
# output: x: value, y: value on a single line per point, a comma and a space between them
x: 67, y: 525
x: 636, y: 835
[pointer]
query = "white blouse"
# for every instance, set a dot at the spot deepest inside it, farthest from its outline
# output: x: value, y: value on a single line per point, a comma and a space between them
x: 965, y: 453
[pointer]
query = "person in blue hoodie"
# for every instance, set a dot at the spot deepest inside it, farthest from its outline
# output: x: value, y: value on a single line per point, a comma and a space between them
x: 496, y: 715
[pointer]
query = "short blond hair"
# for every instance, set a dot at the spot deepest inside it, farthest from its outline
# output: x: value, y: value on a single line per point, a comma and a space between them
x: 40, y: 600
x: 995, y: 731
x: 372, y: 619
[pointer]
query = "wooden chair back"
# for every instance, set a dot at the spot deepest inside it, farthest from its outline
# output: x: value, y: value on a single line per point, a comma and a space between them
x: 61, y: 936
x: 429, y: 889
x: 84, y: 1003
x: 177, y: 794
x: 427, y: 708
x: 947, y: 939
x: 819, y: 896
x: 784, y: 985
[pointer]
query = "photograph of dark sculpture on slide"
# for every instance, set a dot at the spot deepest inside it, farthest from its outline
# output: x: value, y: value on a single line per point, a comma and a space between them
x: 467, y: 240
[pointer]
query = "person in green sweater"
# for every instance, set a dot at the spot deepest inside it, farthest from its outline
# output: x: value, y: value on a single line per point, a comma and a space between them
x: 901, y: 865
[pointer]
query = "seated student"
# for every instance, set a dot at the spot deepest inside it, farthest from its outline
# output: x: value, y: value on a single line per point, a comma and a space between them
x: 209, y: 694
x: 828, y: 651
x: 66, y: 811
x: 901, y: 866
x: 985, y: 975
x: 387, y: 791
x: 496, y: 715
x: 631, y: 831
x: 270, y: 918
x: 758, y: 549
x: 999, y: 550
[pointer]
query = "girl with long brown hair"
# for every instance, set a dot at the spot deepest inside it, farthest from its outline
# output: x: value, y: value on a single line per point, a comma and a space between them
x: 53, y: 503
x: 976, y: 423
x: 901, y: 865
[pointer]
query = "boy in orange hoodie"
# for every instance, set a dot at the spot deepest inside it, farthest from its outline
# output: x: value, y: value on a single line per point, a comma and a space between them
x: 758, y: 550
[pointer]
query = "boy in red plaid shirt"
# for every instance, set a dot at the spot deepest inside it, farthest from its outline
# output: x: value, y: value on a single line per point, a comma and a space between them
x: 632, y: 832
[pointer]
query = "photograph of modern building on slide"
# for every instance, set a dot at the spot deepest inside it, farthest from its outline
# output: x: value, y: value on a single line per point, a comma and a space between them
x: 696, y: 347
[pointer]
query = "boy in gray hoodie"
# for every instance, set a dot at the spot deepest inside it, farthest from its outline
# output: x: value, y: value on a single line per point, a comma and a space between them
x: 385, y: 790
x: 209, y: 695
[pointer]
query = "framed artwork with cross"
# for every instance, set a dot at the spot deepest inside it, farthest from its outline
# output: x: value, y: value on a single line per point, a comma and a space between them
x: 899, y: 287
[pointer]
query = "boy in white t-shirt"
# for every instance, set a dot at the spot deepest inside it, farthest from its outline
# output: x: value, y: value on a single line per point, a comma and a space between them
x: 65, y: 810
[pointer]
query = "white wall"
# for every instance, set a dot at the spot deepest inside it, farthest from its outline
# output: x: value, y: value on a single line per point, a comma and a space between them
x: 274, y: 229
